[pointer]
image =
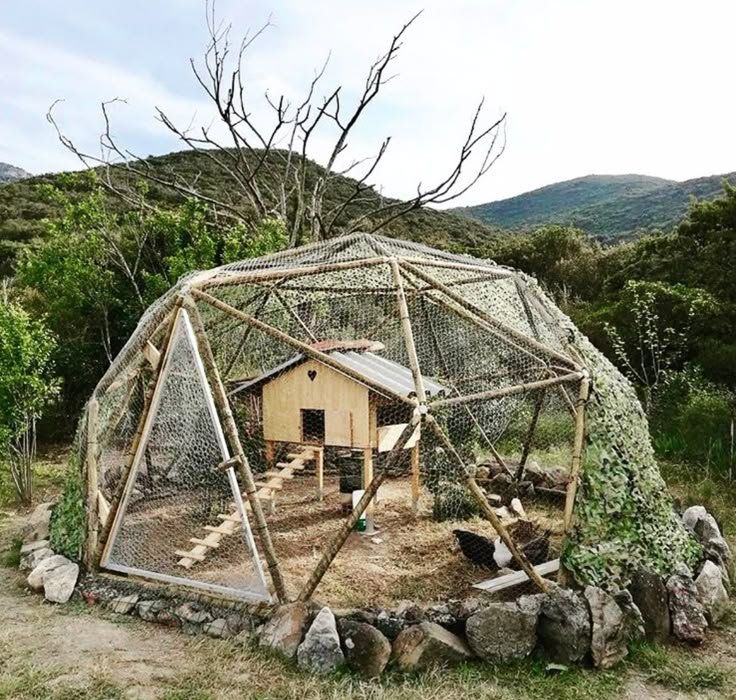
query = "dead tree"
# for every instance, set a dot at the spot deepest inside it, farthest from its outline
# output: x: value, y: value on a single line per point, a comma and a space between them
x: 268, y: 166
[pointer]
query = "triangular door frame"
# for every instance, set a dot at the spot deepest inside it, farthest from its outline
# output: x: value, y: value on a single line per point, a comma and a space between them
x: 182, y: 321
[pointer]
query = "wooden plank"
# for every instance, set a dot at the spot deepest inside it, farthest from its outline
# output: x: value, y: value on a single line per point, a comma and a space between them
x: 189, y: 555
x: 389, y: 434
x: 220, y: 529
x: 151, y: 353
x: 275, y: 484
x: 232, y: 517
x: 212, y: 544
x: 278, y: 474
x: 104, y: 508
x: 501, y: 582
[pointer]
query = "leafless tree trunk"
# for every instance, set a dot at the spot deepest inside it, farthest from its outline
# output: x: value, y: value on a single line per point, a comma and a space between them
x: 268, y: 166
x: 22, y: 457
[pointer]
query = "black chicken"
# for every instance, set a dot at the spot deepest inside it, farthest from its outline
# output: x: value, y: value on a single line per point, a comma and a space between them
x: 536, y: 551
x: 477, y: 548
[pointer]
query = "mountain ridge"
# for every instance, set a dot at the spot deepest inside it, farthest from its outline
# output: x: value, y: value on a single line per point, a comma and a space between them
x: 608, y: 207
x: 12, y: 173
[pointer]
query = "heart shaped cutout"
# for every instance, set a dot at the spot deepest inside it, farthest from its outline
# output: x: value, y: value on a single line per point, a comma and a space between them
x: 312, y: 373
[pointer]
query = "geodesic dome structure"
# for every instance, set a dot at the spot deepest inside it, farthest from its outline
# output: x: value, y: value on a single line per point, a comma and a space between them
x: 328, y: 418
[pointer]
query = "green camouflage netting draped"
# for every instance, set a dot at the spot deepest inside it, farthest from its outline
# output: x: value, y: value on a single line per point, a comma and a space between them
x: 623, y: 518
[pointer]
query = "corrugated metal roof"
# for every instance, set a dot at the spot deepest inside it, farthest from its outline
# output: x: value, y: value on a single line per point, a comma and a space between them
x: 376, y: 369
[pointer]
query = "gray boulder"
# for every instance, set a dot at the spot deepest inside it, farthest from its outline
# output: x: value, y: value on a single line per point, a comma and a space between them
x: 38, y: 525
x: 426, y: 645
x: 320, y: 652
x: 366, y: 649
x: 686, y: 611
x: 649, y: 593
x: 31, y: 560
x: 192, y: 617
x: 608, y: 643
x: 124, y: 605
x: 283, y: 632
x: 218, y: 629
x: 58, y: 584
x: 504, y: 631
x: 564, y: 628
x: 633, y: 619
x: 711, y: 592
x: 36, y: 577
x: 32, y: 546
x: 148, y: 610
x: 706, y: 530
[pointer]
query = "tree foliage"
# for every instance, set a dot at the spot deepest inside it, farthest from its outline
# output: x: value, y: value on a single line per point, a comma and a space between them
x: 27, y: 386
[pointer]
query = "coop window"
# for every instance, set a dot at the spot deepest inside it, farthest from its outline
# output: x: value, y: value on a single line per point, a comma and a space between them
x: 313, y: 426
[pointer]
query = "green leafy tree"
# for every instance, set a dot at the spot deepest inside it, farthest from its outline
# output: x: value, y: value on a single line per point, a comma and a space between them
x: 27, y: 386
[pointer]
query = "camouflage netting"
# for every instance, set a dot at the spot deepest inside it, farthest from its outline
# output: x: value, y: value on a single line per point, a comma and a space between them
x: 325, y: 353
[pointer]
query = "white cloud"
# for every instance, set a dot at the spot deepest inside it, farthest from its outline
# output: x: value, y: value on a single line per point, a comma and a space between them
x: 589, y: 87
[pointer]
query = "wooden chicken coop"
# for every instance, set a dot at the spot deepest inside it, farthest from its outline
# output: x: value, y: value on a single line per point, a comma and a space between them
x: 308, y: 403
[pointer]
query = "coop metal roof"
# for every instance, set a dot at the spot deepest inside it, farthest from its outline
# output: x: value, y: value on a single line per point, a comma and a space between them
x: 377, y: 370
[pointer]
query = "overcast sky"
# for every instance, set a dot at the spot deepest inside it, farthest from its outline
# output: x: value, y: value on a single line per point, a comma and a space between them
x: 632, y: 86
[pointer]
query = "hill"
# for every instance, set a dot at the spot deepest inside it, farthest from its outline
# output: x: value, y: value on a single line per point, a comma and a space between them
x: 24, y: 206
x: 11, y: 173
x: 609, y: 207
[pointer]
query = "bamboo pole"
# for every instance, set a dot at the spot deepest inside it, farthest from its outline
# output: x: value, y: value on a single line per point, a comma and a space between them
x: 231, y: 431
x: 500, y: 272
x: 302, y: 347
x: 134, y: 443
x: 577, y: 452
x: 526, y: 448
x: 287, y: 273
x: 93, y: 520
x: 370, y: 492
x: 295, y: 316
x: 406, y: 328
x: 509, y: 334
x: 486, y: 508
x: 508, y: 391
x: 415, y: 479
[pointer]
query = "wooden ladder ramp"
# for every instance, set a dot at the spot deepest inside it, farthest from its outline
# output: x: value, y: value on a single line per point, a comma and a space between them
x: 230, y: 522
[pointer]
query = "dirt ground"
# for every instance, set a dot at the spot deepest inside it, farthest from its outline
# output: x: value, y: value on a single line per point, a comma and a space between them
x: 76, y: 652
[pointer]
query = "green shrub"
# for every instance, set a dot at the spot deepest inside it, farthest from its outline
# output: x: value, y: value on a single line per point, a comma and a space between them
x: 691, y: 421
x: 68, y: 519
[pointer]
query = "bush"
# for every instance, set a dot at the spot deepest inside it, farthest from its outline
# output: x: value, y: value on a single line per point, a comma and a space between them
x: 68, y: 518
x: 692, y: 421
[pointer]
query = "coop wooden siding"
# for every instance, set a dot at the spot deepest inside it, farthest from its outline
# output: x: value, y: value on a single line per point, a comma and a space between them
x: 344, y: 401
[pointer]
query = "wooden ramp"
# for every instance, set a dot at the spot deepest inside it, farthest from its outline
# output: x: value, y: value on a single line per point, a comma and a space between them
x: 501, y: 582
x: 266, y: 493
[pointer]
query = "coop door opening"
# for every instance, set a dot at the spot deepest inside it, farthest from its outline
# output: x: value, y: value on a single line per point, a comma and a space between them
x: 181, y: 520
x: 313, y: 426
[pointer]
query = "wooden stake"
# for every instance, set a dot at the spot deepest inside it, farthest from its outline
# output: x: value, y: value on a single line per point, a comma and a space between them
x: 93, y: 520
x: 117, y: 498
x: 302, y: 347
x: 415, y: 479
x: 577, y: 452
x: 526, y: 448
x: 231, y: 431
x: 367, y: 479
x: 341, y: 537
x: 319, y: 467
x: 486, y: 508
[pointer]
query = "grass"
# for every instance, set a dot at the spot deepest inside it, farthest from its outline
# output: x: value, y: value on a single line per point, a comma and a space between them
x: 679, y: 669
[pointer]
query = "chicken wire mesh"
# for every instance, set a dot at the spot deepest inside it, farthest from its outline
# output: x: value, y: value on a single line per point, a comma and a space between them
x: 313, y: 353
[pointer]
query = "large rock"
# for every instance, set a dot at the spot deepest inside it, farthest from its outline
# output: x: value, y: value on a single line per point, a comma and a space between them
x: 320, y: 652
x: 38, y: 525
x: 649, y: 592
x: 366, y: 649
x: 36, y: 577
x: 58, y: 584
x: 711, y: 592
x: 608, y: 643
x: 706, y: 530
x: 283, y: 632
x: 686, y: 611
x: 32, y: 546
x: 193, y: 617
x: 124, y: 604
x: 564, y: 628
x: 504, y: 631
x: 31, y: 560
x: 633, y: 619
x: 427, y: 644
x: 149, y: 610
